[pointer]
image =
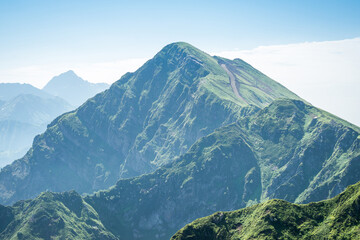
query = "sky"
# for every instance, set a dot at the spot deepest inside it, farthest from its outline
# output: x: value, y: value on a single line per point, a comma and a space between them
x: 311, y: 47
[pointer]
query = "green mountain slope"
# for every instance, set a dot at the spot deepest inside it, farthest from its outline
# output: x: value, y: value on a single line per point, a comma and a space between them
x: 143, y: 121
x: 336, y: 218
x: 230, y: 169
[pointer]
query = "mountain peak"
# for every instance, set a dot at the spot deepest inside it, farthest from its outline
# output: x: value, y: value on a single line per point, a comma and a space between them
x: 66, y: 76
x: 70, y: 72
x: 181, y: 45
x: 67, y: 85
x: 182, y: 49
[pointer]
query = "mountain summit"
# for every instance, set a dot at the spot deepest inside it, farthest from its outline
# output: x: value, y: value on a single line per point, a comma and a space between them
x: 73, y: 88
x: 142, y: 122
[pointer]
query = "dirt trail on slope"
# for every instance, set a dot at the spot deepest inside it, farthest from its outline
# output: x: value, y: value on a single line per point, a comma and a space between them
x: 232, y: 82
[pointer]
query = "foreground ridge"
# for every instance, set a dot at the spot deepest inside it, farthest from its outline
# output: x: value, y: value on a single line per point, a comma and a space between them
x: 336, y: 218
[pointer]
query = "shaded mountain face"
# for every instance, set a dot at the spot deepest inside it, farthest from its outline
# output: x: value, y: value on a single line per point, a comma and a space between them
x: 143, y: 121
x: 72, y: 88
x: 337, y: 218
x: 22, y: 118
x: 229, y: 169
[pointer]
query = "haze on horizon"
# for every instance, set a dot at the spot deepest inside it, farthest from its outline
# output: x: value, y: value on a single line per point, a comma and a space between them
x: 313, y: 48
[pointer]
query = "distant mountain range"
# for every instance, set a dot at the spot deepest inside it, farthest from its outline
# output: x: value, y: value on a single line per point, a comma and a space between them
x: 25, y: 112
x: 73, y: 88
x: 185, y: 136
x: 9, y: 91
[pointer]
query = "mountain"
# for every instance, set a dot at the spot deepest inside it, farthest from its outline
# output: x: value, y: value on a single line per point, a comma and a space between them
x: 227, y: 170
x: 143, y: 121
x: 22, y: 118
x: 336, y: 218
x: 9, y: 91
x: 73, y: 88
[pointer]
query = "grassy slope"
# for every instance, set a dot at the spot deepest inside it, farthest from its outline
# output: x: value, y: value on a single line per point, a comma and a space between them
x: 253, y: 86
x: 336, y: 218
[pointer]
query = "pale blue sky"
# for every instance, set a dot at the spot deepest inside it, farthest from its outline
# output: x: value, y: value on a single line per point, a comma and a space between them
x: 34, y: 32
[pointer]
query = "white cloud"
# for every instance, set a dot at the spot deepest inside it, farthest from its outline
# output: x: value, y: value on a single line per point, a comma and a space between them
x: 327, y: 74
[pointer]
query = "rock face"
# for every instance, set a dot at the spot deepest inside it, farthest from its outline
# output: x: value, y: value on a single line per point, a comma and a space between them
x: 142, y: 122
x: 337, y: 218
x: 73, y: 88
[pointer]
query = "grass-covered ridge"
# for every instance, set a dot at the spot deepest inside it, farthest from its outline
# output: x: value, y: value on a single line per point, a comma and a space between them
x: 143, y: 121
x: 336, y: 218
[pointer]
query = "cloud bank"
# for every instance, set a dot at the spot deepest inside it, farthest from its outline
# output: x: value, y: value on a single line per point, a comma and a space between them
x: 327, y: 74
